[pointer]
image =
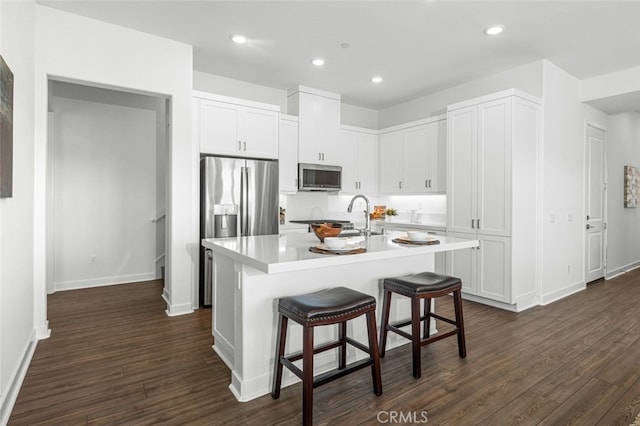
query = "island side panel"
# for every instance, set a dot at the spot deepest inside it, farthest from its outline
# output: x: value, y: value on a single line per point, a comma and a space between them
x: 256, y: 315
x: 223, y: 310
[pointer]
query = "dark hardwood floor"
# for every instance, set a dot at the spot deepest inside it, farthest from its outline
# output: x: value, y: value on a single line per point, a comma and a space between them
x: 114, y: 357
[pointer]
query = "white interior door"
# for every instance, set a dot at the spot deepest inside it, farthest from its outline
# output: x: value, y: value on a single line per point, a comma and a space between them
x: 595, y: 204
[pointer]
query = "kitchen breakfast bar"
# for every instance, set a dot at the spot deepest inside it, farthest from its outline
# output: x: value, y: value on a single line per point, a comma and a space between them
x: 251, y: 273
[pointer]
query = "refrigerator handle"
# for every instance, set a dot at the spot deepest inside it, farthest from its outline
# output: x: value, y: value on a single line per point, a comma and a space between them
x: 244, y: 201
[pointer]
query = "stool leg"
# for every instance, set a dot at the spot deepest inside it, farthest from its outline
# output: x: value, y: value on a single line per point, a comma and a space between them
x: 415, y: 336
x: 307, y: 374
x: 373, y: 352
x: 457, y: 303
x: 427, y: 321
x: 342, y: 350
x: 277, y: 370
x: 386, y: 306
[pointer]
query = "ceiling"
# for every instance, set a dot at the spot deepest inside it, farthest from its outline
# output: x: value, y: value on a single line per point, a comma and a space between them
x: 418, y: 47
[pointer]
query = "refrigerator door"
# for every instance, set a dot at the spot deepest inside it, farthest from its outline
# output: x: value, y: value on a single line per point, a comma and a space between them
x: 220, y: 185
x: 260, y: 211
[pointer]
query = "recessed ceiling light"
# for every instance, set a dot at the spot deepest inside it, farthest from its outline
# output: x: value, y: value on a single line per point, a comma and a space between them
x: 376, y: 79
x: 494, y: 30
x: 318, y: 62
x: 238, y: 38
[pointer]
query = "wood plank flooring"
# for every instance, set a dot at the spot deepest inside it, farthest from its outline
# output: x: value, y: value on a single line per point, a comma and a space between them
x: 114, y: 358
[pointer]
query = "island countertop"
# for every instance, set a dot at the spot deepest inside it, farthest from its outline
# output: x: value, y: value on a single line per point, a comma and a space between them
x: 274, y: 254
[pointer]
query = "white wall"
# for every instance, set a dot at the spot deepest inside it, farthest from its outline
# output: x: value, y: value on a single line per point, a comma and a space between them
x: 104, y: 150
x: 17, y: 338
x: 563, y: 165
x: 623, y: 224
x: 527, y: 78
x: 78, y: 49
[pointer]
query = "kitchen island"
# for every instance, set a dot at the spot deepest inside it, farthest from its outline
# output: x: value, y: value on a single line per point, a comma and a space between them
x: 251, y: 273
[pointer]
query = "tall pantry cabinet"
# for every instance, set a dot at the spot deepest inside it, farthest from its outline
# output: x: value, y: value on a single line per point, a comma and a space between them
x: 491, y: 196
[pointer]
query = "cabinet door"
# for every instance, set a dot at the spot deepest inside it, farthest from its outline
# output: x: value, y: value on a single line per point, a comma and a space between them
x: 349, y: 161
x: 437, y: 156
x: 494, y: 167
x: 415, y: 160
x: 462, y: 145
x: 219, y: 128
x: 494, y: 268
x: 391, y: 162
x: 308, y: 129
x: 462, y: 264
x: 288, y: 155
x: 329, y: 130
x: 260, y: 133
x: 367, y: 163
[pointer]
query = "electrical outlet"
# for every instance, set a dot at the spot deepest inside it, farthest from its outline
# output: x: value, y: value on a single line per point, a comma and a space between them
x: 552, y: 218
x: 93, y: 259
x: 569, y: 217
x: 568, y: 269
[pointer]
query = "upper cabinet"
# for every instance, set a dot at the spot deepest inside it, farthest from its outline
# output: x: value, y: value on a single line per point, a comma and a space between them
x: 482, y: 139
x: 288, y: 157
x: 235, y: 127
x: 359, y: 160
x: 413, y: 157
x: 318, y: 124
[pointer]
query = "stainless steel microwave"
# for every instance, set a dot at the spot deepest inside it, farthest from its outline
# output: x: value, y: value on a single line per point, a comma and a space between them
x: 319, y: 177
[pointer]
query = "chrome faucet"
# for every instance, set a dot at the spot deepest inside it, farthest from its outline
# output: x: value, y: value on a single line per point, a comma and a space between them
x: 367, y: 223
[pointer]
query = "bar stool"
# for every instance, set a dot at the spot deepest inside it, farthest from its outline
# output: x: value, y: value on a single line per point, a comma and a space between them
x: 331, y: 306
x: 426, y: 286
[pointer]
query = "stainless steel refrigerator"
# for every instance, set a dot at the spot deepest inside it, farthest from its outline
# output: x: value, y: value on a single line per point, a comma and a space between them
x: 238, y: 197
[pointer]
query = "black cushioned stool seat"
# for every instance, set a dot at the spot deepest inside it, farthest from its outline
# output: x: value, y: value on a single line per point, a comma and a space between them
x: 326, y: 307
x: 425, y: 286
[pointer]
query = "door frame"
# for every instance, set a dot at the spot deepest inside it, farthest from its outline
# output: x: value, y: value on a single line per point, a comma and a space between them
x: 604, y: 198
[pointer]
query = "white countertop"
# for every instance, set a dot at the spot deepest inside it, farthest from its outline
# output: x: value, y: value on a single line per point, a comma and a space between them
x: 283, y: 253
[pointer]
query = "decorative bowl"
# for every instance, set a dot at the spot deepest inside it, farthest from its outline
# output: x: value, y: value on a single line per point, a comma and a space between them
x: 335, y: 243
x: 323, y: 230
x: 417, y: 236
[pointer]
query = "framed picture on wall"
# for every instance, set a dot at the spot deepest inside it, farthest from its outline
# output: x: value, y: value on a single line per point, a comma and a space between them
x: 631, y: 186
x: 6, y: 130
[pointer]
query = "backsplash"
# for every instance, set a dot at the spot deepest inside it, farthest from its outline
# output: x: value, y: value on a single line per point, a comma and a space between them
x: 322, y: 205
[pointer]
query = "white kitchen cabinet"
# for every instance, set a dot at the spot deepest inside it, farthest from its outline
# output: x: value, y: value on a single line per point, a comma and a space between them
x: 318, y: 124
x: 491, y: 195
x: 288, y: 154
x: 417, y: 161
x: 391, y: 162
x: 480, y: 168
x: 485, y: 270
x: 359, y: 160
x: 234, y: 127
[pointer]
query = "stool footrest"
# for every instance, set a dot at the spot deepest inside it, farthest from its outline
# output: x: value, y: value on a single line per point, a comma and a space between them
x: 438, y: 337
x: 296, y: 356
x: 324, y: 378
x: 396, y: 330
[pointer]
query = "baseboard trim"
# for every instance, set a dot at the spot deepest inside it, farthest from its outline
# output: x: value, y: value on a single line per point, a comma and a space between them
x: 104, y: 281
x: 8, y: 400
x: 176, y: 310
x: 548, y: 298
x: 622, y: 270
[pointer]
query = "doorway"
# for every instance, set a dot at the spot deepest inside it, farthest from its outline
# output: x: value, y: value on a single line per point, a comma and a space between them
x: 105, y: 186
x: 596, y: 187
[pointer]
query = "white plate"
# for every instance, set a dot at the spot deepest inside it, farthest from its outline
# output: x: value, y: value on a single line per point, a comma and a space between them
x: 347, y: 248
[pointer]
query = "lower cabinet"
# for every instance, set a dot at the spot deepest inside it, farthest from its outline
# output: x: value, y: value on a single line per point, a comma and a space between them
x: 485, y: 271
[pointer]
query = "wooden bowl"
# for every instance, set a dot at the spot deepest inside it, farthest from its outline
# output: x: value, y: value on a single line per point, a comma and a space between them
x: 323, y: 230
